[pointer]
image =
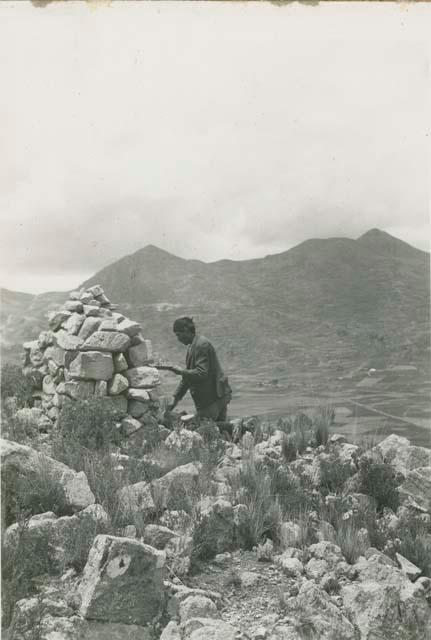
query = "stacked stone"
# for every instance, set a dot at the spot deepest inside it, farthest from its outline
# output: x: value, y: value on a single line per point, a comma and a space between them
x: 92, y: 350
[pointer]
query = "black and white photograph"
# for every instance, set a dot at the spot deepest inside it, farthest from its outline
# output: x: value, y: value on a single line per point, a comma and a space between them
x: 215, y: 320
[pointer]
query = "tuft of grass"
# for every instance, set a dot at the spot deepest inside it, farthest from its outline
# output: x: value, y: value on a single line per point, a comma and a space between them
x: 334, y: 474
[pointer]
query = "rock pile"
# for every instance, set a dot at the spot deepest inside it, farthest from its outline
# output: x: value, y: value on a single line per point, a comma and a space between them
x: 91, y: 350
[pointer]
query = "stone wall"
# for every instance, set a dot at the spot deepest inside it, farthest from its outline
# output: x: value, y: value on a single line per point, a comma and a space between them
x: 92, y: 350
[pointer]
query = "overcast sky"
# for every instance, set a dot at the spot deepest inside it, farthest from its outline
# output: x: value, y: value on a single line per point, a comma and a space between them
x: 211, y: 130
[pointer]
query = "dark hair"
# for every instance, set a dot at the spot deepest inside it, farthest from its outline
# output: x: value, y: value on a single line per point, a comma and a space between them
x: 184, y: 323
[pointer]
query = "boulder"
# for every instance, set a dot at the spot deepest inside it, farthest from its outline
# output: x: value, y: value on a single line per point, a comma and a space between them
x: 141, y: 395
x: 20, y: 460
x: 56, y: 318
x: 403, y: 456
x: 49, y: 620
x: 215, y: 529
x: 291, y: 567
x: 89, y: 326
x: 184, y: 440
x: 136, y: 502
x: 92, y: 365
x: 130, y: 425
x: 324, y: 619
x: 143, y: 378
x: 73, y: 323
x: 52, y: 544
x: 55, y: 353
x: 417, y: 486
x: 383, y: 603
x: 122, y: 582
x: 197, y: 606
x: 111, y: 341
x: 67, y: 341
x: 180, y: 482
x: 141, y: 354
x: 73, y: 306
x: 158, y: 536
x: 408, y: 568
x: 129, y: 327
x: 78, y: 389
x: 117, y: 385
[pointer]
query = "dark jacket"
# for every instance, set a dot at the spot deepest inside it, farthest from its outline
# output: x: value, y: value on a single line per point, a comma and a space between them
x: 203, y: 376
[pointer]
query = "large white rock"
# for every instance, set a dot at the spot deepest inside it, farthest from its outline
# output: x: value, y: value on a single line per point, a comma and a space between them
x: 184, y: 440
x: 20, y: 460
x: 56, y: 318
x: 143, y: 377
x: 89, y: 326
x: 122, y: 582
x: 403, y: 456
x: 111, y: 341
x: 181, y: 480
x: 140, y: 395
x: 67, y: 341
x: 385, y: 604
x: 324, y: 619
x: 118, y: 384
x: 129, y: 327
x: 73, y: 324
x: 417, y: 485
x: 136, y: 502
x: 141, y: 354
x: 92, y: 365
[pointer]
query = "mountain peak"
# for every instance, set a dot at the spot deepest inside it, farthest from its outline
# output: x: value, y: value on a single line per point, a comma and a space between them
x: 384, y: 242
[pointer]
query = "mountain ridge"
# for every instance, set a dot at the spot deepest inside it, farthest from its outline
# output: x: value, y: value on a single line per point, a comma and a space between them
x: 313, y: 305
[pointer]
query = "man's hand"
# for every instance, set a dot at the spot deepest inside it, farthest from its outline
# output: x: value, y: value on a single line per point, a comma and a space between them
x: 177, y: 370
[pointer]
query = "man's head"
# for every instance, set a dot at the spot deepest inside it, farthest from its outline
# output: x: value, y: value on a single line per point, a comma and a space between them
x: 185, y: 330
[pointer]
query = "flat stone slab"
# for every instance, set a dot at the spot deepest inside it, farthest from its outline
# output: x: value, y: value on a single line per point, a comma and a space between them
x: 122, y: 582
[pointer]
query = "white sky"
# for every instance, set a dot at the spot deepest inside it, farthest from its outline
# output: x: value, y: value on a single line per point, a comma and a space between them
x: 212, y: 130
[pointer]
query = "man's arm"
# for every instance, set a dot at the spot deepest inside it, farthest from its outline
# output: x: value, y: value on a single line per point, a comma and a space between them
x: 201, y: 368
x: 180, y: 391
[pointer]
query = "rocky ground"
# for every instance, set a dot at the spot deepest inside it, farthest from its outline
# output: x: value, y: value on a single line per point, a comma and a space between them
x: 180, y: 532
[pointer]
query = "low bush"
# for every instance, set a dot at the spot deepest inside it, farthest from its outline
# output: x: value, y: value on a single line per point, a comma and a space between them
x: 89, y: 423
x: 379, y: 481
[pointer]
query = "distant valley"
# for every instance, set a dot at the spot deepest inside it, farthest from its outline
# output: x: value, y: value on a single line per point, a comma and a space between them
x: 310, y: 320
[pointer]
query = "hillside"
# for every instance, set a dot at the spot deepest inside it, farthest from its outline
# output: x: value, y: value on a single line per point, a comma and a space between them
x: 314, y: 312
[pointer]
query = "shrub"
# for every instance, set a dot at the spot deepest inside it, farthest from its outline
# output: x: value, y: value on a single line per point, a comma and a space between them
x: 15, y: 384
x: 89, y: 423
x: 34, y: 493
x: 334, y: 474
x: 378, y: 480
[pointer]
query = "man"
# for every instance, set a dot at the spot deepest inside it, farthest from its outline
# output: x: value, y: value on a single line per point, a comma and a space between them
x: 203, y: 376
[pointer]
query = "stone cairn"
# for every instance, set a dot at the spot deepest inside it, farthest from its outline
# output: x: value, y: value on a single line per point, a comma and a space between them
x: 92, y: 350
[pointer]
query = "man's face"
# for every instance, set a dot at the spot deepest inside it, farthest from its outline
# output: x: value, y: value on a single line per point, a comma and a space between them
x: 185, y: 336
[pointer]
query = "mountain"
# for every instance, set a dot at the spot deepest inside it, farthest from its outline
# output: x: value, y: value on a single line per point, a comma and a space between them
x: 317, y: 309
